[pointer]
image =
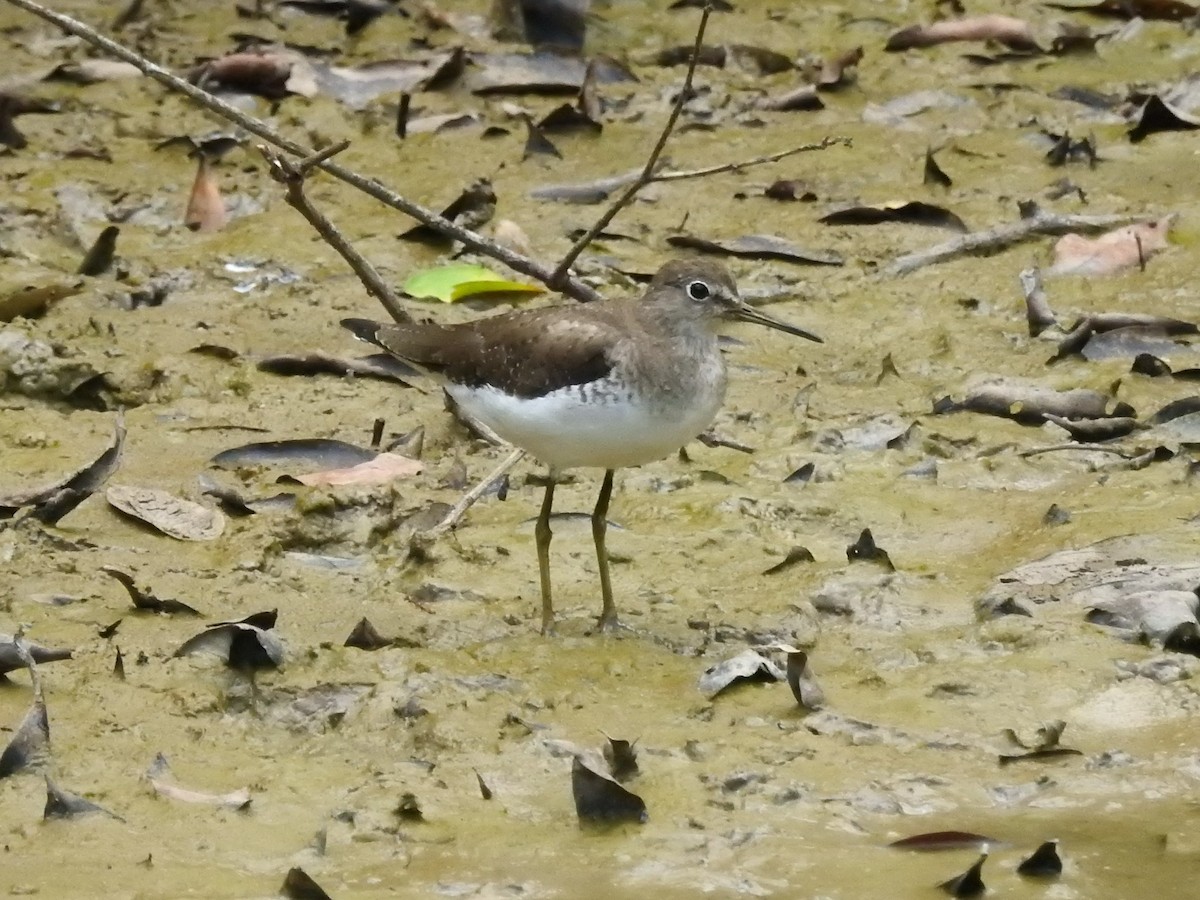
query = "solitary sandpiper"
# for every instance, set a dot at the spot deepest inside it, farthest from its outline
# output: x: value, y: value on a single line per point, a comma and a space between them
x: 615, y: 383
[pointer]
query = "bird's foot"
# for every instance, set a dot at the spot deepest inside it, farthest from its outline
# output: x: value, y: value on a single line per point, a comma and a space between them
x: 608, y: 623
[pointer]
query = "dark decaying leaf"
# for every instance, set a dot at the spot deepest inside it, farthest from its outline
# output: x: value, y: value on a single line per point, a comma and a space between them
x: 757, y: 246
x: 1183, y: 638
x: 118, y: 669
x: 1066, y: 149
x: 1030, y: 404
x: 358, y: 85
x: 232, y: 502
x: 409, y: 808
x: 912, y: 212
x: 383, y: 366
x: 714, y: 5
x: 681, y: 55
x: 12, y: 657
x: 298, y: 885
x: 621, y: 758
x: 357, y: 14
x: 29, y: 747
x: 865, y: 550
x: 599, y: 799
x: 933, y: 173
x: 250, y: 643
x: 802, y: 681
x: 1043, y: 863
x: 789, y: 189
x: 53, y: 502
x: 748, y: 666
x: 143, y: 599
x: 13, y: 105
x: 969, y: 883
x: 794, y: 556
x: 1074, y: 39
x: 99, y: 257
x: 1119, y: 343
x: 1176, y: 409
x: 1150, y: 365
x: 541, y: 72
x: 484, y: 791
x: 937, y: 841
x: 553, y: 23
x: 1157, y: 115
x: 317, y: 453
x: 583, y: 115
x: 173, y: 516
x: 364, y: 636
x: 1094, y: 431
x: 62, y: 804
x: 536, y: 142
x: 473, y: 208
x: 759, y: 60
x: 1167, y: 10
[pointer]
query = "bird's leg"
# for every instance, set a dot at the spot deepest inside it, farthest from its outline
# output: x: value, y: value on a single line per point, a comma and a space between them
x: 608, y: 613
x: 542, y: 535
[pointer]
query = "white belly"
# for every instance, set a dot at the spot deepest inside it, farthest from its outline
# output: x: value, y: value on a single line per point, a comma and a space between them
x: 564, y: 431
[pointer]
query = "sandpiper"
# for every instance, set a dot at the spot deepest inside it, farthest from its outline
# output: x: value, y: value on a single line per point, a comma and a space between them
x: 616, y: 383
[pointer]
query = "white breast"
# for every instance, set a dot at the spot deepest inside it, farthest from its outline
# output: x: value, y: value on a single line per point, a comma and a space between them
x: 602, y: 426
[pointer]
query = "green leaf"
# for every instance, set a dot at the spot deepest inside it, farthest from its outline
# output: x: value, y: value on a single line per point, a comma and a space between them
x: 450, y: 283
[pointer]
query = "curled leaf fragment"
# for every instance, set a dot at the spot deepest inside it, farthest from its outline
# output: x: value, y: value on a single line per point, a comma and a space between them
x: 600, y: 799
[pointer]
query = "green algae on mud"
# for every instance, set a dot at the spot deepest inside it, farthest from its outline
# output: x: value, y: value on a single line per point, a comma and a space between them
x: 743, y: 795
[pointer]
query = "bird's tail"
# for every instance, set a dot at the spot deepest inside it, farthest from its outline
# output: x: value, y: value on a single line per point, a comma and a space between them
x: 363, y: 329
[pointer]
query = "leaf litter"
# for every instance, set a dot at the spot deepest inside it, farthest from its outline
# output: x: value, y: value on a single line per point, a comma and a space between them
x: 927, y: 367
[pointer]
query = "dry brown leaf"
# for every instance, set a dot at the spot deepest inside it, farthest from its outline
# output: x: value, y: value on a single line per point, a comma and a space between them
x: 384, y: 467
x: 205, y: 209
x: 1123, y: 248
x: 173, y: 516
x: 1016, y: 34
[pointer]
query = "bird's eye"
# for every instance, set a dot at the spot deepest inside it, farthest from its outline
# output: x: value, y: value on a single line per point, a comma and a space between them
x: 698, y: 290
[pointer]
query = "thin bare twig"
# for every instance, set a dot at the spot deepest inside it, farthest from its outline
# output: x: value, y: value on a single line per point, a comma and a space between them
x: 454, y: 516
x: 292, y: 175
x: 1003, y: 235
x: 516, y: 261
x: 747, y: 163
x: 563, y: 271
x: 1095, y: 448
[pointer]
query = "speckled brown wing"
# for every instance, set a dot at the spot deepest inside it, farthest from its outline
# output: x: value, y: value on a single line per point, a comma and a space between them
x: 526, y: 354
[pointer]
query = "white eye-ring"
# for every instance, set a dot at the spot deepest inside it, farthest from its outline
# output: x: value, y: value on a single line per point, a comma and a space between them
x: 698, y: 290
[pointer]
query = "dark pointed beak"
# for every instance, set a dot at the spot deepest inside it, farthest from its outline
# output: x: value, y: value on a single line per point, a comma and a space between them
x: 744, y: 313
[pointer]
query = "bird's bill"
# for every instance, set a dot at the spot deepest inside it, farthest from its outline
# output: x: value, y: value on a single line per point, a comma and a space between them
x: 745, y: 313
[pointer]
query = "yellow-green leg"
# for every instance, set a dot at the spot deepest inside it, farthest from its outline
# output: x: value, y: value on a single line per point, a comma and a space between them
x: 608, y: 613
x: 542, y: 535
